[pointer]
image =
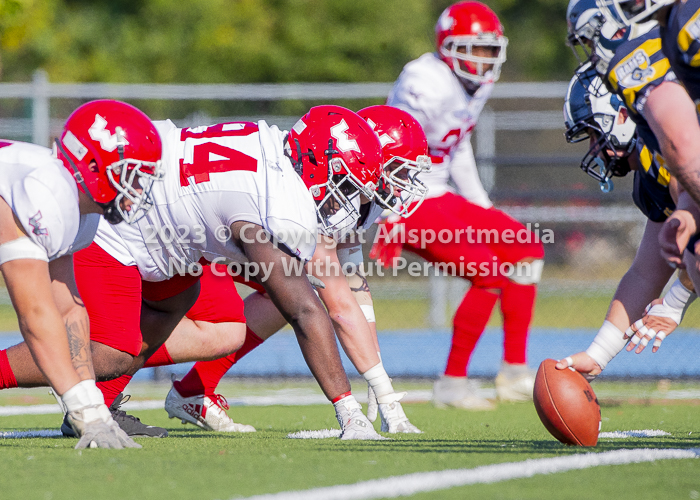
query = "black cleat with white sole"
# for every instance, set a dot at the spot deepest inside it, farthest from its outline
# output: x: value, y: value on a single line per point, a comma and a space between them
x: 128, y: 423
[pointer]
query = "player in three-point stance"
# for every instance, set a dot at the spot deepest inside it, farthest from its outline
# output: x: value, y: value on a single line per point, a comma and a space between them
x: 106, y: 161
x: 618, y: 145
x: 445, y: 92
x: 671, y: 112
x: 337, y: 262
x: 231, y: 196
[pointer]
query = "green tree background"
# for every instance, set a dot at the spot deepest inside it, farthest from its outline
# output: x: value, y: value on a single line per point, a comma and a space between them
x: 237, y: 41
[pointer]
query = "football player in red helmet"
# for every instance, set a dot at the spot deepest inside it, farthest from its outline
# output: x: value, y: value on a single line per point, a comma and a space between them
x: 251, y: 190
x: 115, y: 169
x: 445, y: 92
x: 345, y: 294
x: 470, y: 41
x: 338, y: 170
x: 46, y: 214
x: 405, y: 150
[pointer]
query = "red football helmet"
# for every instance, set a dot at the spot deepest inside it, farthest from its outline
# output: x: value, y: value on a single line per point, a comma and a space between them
x: 405, y: 150
x: 463, y: 27
x: 113, y: 151
x: 339, y: 158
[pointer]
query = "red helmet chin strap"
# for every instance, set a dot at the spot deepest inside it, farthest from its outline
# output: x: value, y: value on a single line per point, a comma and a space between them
x: 76, y: 173
x: 298, y: 164
x: 110, y: 212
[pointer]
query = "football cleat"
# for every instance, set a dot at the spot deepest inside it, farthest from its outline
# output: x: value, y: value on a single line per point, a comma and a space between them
x: 206, y: 412
x: 515, y: 383
x: 131, y: 425
x: 394, y: 420
x: 459, y: 392
x: 353, y: 423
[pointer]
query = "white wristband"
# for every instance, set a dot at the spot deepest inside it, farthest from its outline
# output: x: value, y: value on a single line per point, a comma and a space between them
x: 676, y: 302
x: 82, y: 395
x: 605, y: 346
x: 368, y: 311
x: 379, y: 381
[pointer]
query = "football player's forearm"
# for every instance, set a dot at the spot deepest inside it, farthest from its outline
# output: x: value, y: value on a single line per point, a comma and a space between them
x: 643, y: 281
x: 316, y: 339
x: 40, y: 322
x: 633, y: 294
x: 685, y: 280
x: 78, y: 331
x: 45, y: 336
x: 687, y: 171
x: 349, y: 320
x: 75, y: 316
x: 296, y: 300
x: 356, y: 338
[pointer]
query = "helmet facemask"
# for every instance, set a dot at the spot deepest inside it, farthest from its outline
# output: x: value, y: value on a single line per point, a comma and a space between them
x: 338, y: 208
x: 400, y: 175
x: 475, y: 64
x: 592, y: 113
x: 605, y: 158
x: 581, y: 38
x: 133, y: 180
x: 626, y: 13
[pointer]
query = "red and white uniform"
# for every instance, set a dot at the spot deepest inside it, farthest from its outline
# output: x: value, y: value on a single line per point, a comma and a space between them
x: 44, y: 197
x: 215, y: 176
x: 429, y: 90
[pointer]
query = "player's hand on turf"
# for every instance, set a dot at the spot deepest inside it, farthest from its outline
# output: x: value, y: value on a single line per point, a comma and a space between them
x: 655, y: 323
x: 97, y: 429
x: 100, y: 434
x: 582, y: 363
x: 674, y: 236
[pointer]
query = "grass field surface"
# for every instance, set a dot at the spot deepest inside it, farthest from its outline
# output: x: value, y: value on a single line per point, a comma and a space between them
x: 196, y: 464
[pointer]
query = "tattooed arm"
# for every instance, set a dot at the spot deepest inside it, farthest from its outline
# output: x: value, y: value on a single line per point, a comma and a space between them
x: 75, y: 317
x: 360, y: 290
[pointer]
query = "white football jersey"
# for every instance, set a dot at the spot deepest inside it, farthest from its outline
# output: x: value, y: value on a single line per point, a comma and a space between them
x: 429, y: 90
x: 44, y: 197
x: 215, y: 176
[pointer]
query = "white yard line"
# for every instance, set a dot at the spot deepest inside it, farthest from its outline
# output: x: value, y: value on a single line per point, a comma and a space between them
x: 646, y: 433
x: 420, y: 482
x: 321, y: 434
x: 31, y: 434
x: 283, y: 397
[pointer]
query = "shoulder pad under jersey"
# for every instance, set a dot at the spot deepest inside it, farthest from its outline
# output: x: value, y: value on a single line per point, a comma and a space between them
x: 638, y: 66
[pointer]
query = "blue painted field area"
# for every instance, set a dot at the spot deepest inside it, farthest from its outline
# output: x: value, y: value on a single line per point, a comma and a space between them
x: 422, y: 353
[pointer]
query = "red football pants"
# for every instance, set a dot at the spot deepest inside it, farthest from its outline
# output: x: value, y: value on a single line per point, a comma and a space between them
x: 472, y: 239
x: 113, y: 293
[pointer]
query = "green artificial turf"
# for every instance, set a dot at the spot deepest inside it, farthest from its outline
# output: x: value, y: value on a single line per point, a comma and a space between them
x: 196, y: 464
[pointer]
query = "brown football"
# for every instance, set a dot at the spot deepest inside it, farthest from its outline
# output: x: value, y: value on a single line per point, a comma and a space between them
x: 567, y: 405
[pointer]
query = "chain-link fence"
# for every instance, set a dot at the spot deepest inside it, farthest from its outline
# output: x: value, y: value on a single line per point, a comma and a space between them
x: 525, y: 164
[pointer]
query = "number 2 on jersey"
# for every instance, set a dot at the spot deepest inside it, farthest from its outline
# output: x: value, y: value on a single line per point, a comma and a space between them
x: 210, y: 157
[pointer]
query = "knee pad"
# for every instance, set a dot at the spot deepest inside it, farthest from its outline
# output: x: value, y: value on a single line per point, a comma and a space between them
x: 527, y: 273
